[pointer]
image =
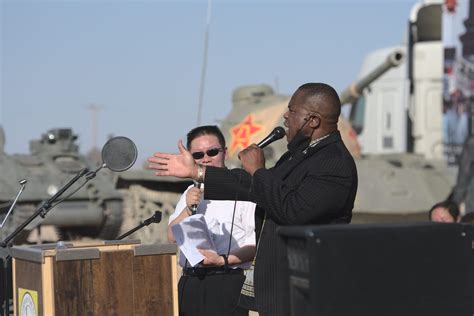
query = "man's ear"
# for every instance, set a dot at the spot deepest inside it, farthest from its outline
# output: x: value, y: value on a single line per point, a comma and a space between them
x: 226, y: 153
x: 314, y: 121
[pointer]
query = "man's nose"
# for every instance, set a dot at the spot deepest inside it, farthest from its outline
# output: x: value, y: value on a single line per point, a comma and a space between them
x: 206, y: 158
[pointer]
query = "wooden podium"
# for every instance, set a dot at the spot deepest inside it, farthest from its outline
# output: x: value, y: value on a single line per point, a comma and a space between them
x: 111, y: 278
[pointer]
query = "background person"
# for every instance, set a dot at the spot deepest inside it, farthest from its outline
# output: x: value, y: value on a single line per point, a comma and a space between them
x: 213, y: 287
x: 444, y: 212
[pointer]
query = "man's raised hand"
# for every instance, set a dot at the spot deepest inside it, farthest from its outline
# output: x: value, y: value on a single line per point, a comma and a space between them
x: 180, y: 165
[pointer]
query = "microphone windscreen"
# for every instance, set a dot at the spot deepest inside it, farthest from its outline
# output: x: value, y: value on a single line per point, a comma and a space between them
x: 119, y: 153
x: 279, y: 132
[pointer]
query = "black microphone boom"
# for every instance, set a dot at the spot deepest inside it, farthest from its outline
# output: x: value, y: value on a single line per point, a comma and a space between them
x: 277, y: 133
x: 155, y: 218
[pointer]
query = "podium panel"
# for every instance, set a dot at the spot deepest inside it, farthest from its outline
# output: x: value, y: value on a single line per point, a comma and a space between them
x: 114, y: 278
x: 381, y: 269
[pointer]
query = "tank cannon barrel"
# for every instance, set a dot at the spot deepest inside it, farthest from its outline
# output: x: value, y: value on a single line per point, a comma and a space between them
x: 350, y: 94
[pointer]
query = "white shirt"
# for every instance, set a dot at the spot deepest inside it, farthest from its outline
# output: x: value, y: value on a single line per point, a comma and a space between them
x: 218, y: 215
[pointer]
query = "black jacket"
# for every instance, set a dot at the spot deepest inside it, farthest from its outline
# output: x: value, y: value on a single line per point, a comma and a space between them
x: 316, y: 187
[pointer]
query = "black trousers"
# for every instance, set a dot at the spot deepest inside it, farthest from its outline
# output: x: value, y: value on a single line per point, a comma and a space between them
x: 209, y: 295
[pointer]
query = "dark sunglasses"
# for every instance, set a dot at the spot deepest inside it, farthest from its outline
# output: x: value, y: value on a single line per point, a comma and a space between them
x: 210, y: 152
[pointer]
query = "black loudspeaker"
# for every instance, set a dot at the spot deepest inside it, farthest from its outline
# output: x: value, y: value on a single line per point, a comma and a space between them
x: 6, y: 290
x: 381, y: 269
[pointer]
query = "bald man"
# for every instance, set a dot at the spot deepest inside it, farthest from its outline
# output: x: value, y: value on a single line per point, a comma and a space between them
x: 313, y: 183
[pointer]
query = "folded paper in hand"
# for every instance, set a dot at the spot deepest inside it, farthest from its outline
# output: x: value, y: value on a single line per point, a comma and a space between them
x: 191, y: 235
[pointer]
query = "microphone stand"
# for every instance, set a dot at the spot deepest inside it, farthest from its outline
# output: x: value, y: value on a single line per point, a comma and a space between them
x: 6, y: 259
x: 155, y: 218
x: 23, y: 184
x: 43, y: 209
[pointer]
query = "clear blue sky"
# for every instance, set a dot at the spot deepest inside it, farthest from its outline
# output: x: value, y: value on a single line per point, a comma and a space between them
x: 141, y: 60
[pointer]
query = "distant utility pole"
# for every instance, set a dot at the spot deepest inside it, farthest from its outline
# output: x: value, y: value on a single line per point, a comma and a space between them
x: 204, y: 62
x: 94, y: 108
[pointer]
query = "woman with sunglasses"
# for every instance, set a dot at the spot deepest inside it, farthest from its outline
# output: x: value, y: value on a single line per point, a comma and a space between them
x: 213, y: 286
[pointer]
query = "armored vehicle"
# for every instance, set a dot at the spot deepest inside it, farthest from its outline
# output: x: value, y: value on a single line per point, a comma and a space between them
x: 54, y: 159
x: 109, y: 205
x: 394, y: 127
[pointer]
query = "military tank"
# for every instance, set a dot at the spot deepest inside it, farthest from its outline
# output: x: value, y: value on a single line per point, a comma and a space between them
x: 392, y: 187
x: 109, y: 205
x: 94, y: 211
x: 396, y: 183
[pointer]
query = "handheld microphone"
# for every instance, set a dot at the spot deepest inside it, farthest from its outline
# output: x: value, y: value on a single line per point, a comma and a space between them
x: 23, y: 184
x: 194, y: 207
x: 277, y: 133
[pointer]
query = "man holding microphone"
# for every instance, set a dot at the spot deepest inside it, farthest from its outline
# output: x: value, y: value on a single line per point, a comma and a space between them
x: 313, y: 183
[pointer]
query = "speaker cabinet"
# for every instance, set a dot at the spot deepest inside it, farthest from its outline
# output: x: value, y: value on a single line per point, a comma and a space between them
x: 380, y: 269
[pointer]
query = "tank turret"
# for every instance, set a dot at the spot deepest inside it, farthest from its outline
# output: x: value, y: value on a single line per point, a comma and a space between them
x: 350, y: 94
x: 251, y: 94
x: 59, y: 141
x: 256, y: 110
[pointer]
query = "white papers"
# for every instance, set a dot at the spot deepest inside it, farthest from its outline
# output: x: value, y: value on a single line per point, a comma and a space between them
x: 191, y: 235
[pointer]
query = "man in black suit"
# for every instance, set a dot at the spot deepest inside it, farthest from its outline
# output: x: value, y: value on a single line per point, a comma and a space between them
x: 315, y: 182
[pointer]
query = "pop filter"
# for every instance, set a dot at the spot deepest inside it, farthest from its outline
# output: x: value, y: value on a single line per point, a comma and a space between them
x: 119, y: 153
